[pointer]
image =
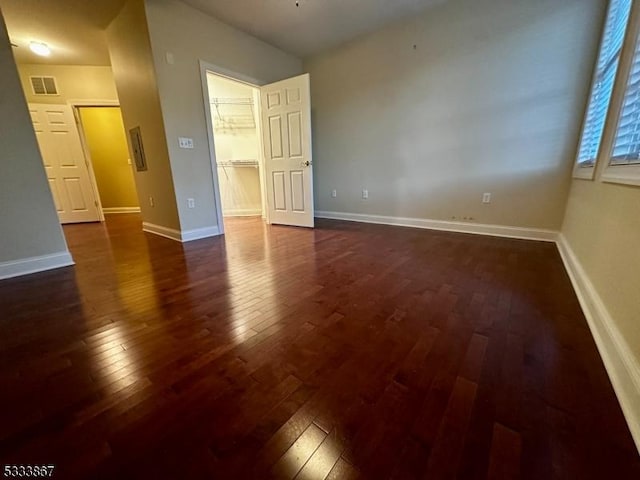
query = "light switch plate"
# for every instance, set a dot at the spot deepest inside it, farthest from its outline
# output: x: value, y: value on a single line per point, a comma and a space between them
x: 185, y: 142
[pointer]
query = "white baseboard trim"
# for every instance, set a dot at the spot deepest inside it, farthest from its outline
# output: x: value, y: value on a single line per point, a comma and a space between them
x: 180, y: 235
x: 109, y: 210
x: 242, y: 212
x: 622, y: 366
x: 448, y: 226
x: 166, y: 232
x: 198, y: 233
x: 25, y: 266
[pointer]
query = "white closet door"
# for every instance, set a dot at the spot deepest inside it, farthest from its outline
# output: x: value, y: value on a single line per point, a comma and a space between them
x: 64, y: 163
x: 286, y: 132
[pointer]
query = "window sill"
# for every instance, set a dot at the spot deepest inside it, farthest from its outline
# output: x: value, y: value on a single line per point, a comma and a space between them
x: 624, y: 174
x: 584, y: 173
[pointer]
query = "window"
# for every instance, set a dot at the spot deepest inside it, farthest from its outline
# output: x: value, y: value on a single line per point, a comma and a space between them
x: 626, y: 146
x: 604, y: 78
x: 624, y: 164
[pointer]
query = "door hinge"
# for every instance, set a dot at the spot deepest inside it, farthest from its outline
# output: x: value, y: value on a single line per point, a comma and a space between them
x: 96, y: 202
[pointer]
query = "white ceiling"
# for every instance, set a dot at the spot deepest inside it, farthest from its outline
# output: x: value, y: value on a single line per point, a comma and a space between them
x: 74, y: 29
x: 314, y: 26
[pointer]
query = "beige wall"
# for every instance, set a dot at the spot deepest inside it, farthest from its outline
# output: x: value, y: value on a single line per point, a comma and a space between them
x: 74, y: 83
x: 489, y: 100
x: 29, y: 224
x: 135, y: 79
x: 107, y: 144
x: 190, y: 35
x: 602, y: 229
x: 240, y: 191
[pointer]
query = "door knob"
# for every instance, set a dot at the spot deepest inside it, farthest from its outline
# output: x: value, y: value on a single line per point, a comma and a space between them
x: 306, y: 164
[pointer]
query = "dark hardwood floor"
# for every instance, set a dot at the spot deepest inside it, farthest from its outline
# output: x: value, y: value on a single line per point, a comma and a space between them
x: 347, y: 351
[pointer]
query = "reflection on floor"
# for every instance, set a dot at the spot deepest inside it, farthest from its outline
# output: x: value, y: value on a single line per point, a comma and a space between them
x: 347, y: 350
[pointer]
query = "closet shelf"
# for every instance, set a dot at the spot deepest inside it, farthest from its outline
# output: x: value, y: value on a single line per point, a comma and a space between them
x: 233, y: 113
x: 231, y: 101
x: 238, y: 163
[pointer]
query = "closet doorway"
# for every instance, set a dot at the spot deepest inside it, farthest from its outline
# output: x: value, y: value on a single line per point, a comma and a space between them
x: 260, y: 147
x: 235, y: 120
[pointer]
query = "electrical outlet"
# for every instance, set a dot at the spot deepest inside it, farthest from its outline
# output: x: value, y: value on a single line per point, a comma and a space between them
x: 151, y: 201
x: 334, y: 193
x: 191, y: 203
x: 365, y: 193
x: 185, y: 142
x: 486, y: 198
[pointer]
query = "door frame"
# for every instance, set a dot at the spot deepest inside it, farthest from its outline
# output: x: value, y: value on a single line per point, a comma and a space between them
x: 206, y: 67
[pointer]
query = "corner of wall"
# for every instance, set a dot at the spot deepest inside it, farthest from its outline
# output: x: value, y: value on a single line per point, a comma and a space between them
x: 135, y: 77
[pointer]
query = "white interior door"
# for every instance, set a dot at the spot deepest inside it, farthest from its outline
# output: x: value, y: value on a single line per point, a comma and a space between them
x: 64, y: 162
x: 286, y: 132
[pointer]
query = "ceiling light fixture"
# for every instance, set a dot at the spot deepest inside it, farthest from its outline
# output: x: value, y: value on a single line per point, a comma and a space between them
x: 40, y: 48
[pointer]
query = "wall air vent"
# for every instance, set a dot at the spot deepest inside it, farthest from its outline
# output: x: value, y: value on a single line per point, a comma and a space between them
x: 44, y: 85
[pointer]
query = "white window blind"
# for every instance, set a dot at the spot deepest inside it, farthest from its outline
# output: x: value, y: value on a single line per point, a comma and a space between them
x: 626, y: 146
x: 605, y: 75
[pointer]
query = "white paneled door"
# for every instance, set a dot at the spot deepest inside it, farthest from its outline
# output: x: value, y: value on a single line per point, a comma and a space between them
x: 286, y: 130
x: 64, y: 163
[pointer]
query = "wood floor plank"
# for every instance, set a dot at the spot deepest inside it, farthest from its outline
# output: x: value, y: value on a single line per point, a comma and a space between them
x: 506, y: 446
x: 323, y: 459
x: 299, y: 453
x: 446, y: 454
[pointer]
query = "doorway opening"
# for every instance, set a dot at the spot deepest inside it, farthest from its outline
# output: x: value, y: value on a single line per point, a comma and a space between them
x: 103, y: 134
x: 86, y: 159
x: 234, y: 108
x: 246, y: 118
